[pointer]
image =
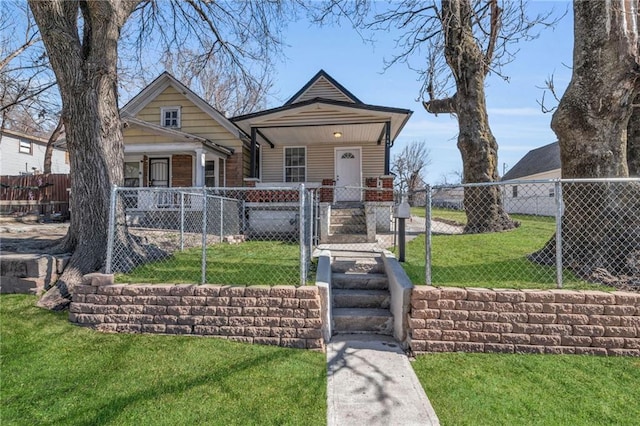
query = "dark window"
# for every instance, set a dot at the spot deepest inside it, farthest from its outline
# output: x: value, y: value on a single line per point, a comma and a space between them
x: 210, y: 173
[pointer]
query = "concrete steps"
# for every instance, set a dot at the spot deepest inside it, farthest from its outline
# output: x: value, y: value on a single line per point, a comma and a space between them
x: 359, y: 281
x: 363, y: 320
x: 352, y: 298
x: 360, y: 293
x: 348, y: 225
x: 29, y: 273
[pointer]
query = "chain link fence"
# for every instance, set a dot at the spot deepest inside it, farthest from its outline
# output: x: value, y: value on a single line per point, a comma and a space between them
x: 530, y: 232
x: 211, y: 235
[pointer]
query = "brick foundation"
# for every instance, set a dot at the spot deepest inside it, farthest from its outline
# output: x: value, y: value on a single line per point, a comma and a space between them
x: 280, y: 315
x: 383, y: 194
x: 326, y: 192
x: 511, y: 321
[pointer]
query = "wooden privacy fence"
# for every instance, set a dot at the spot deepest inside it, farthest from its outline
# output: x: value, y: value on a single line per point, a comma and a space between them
x: 43, y: 194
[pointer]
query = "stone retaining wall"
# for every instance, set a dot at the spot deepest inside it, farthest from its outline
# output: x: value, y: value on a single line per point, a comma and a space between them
x: 30, y: 273
x: 552, y: 321
x: 280, y: 315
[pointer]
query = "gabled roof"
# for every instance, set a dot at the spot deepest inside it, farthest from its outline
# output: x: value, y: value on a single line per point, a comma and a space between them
x: 320, y: 118
x: 157, y: 86
x: 539, y: 160
x: 322, y: 85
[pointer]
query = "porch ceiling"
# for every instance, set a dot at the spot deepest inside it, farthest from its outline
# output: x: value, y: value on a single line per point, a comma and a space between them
x: 304, y: 135
x: 317, y: 120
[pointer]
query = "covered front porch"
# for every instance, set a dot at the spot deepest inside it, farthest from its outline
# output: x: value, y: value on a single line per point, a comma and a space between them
x: 179, y: 160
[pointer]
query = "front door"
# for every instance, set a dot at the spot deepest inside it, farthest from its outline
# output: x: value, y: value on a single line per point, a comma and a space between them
x: 159, y: 172
x: 348, y: 174
x: 159, y: 177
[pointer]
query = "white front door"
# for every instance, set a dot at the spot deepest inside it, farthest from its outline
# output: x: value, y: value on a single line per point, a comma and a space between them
x: 348, y: 174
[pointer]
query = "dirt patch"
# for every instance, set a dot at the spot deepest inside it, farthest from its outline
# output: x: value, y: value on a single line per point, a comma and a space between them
x: 30, y: 238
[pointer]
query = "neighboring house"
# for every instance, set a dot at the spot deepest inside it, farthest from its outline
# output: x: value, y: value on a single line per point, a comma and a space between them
x: 536, y: 198
x: 22, y: 154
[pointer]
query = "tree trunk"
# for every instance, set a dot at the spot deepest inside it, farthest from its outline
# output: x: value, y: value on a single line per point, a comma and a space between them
x: 86, y: 73
x: 477, y: 145
x: 601, y: 224
x: 48, y: 153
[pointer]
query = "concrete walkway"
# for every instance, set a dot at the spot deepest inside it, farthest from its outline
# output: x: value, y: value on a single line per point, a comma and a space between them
x: 371, y: 382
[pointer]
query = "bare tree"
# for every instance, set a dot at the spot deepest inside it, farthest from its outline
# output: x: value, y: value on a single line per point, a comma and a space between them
x: 82, y: 40
x: 459, y: 42
x: 28, y: 102
x: 409, y: 166
x: 593, y: 122
x: 217, y: 84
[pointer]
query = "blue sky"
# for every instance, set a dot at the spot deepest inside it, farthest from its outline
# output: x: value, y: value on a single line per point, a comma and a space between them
x: 516, y: 118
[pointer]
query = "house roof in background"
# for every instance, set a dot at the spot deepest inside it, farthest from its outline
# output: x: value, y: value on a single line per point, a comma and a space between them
x: 23, y: 135
x: 164, y: 80
x: 539, y: 160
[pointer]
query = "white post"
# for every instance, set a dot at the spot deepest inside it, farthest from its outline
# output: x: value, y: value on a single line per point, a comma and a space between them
x: 199, y: 167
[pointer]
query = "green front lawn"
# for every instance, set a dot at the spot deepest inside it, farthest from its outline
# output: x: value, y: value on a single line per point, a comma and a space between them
x: 488, y: 260
x: 55, y: 373
x: 498, y: 389
x: 248, y: 263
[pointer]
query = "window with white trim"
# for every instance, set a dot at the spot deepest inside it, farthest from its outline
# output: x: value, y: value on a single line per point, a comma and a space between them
x: 170, y: 117
x: 25, y: 147
x: 295, y: 164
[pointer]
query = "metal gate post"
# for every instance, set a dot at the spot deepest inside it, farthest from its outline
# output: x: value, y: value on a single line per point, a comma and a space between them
x: 203, y: 278
x: 301, y: 223
x: 182, y: 221
x: 559, y: 214
x: 111, y: 230
x: 427, y: 237
x: 221, y: 218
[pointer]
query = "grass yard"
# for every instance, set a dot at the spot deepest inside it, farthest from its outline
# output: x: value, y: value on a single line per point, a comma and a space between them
x: 488, y: 260
x: 248, y: 263
x: 55, y: 373
x: 499, y: 389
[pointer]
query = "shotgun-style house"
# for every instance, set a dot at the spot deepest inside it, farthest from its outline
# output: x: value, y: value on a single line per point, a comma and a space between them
x: 323, y: 137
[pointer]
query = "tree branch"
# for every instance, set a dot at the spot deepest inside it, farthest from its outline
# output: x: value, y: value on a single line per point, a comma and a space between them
x: 441, y: 106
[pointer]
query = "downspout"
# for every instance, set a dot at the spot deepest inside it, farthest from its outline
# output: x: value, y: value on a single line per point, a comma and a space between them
x: 387, y: 148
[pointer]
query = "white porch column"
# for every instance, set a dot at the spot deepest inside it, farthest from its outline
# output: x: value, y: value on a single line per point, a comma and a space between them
x: 199, y: 167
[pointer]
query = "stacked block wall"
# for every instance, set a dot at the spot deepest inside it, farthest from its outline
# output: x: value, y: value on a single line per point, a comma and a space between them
x: 512, y: 321
x: 280, y: 315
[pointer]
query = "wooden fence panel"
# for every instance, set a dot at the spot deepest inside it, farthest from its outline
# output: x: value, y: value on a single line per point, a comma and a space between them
x: 43, y: 194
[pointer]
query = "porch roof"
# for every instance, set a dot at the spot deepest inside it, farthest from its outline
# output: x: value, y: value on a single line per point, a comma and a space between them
x: 177, y: 135
x: 317, y: 120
